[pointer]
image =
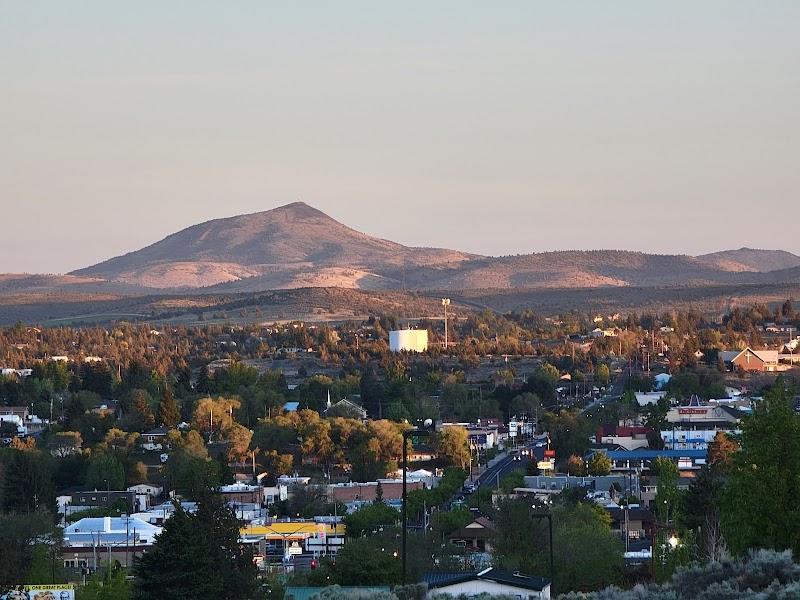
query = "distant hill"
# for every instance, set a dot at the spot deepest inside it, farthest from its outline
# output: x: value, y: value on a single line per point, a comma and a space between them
x: 283, y: 245
x: 568, y: 269
x: 751, y: 259
x: 298, y: 246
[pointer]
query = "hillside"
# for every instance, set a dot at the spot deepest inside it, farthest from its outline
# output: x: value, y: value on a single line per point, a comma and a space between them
x: 295, y: 238
x: 750, y: 259
x: 570, y: 269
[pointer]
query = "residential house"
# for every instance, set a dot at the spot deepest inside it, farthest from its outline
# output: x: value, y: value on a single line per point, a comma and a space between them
x: 490, y: 581
x: 154, y: 439
x: 476, y: 536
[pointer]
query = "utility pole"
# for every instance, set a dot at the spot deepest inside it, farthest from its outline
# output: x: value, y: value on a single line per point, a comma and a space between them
x: 445, y: 303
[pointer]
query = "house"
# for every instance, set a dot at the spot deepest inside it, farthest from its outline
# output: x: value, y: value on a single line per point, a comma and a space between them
x: 476, y: 536
x: 82, y: 500
x: 291, y: 407
x: 154, y: 439
x: 306, y: 593
x: 661, y: 380
x: 148, y: 489
x: 751, y: 360
x: 489, y: 581
x: 631, y: 522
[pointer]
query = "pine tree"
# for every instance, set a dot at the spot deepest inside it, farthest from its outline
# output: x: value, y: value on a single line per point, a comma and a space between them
x: 169, y: 415
x: 197, y: 556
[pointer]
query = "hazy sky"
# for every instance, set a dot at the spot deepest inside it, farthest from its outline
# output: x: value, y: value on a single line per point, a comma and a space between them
x: 494, y: 127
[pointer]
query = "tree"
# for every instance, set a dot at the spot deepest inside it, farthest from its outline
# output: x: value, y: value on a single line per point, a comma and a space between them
x: 169, y: 415
x: 760, y: 495
x: 140, y: 415
x: 587, y: 554
x: 197, y: 556
x: 65, y: 443
x: 515, y: 479
x: 27, y: 480
x: 575, y: 466
x: 453, y: 446
x: 108, y: 586
x: 105, y: 472
x: 370, y: 518
x: 603, y: 374
x: 21, y: 535
x: 599, y: 464
x: 721, y: 450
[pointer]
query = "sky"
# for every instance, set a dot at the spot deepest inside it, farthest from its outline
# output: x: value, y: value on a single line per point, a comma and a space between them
x: 496, y: 128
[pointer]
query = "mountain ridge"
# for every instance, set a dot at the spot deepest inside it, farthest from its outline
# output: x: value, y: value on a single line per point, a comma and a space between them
x: 297, y: 245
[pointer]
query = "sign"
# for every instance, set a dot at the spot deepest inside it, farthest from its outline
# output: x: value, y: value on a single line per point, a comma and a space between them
x: 545, y: 465
x: 692, y: 411
x: 295, y: 549
x: 550, y: 453
x: 60, y: 591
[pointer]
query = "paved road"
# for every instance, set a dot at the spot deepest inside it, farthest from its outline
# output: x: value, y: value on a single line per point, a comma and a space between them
x: 503, y: 467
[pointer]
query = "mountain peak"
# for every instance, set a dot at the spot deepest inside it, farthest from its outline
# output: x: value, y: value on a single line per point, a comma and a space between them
x: 299, y: 209
x: 293, y: 240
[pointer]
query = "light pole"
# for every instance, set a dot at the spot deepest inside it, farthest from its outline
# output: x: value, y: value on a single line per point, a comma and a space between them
x: 549, y: 518
x: 445, y: 303
x: 419, y: 432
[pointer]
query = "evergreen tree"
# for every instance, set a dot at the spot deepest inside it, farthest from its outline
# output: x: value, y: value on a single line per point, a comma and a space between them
x: 759, y: 508
x: 197, y: 556
x: 169, y: 415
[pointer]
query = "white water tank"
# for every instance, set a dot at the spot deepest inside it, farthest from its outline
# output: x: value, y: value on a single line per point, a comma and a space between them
x: 409, y: 340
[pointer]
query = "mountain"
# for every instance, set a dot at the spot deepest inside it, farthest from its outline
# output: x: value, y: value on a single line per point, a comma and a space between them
x: 288, y: 246
x: 751, y: 259
x: 296, y: 246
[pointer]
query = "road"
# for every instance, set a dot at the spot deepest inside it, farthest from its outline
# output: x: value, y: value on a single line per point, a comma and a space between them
x: 503, y: 467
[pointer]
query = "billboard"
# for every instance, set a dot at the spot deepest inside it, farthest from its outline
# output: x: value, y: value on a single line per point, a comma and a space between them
x: 58, y: 591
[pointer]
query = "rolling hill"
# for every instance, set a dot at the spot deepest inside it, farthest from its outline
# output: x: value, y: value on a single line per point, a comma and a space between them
x: 750, y: 259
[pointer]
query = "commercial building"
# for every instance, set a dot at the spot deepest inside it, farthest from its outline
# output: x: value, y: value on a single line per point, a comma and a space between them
x: 694, y: 427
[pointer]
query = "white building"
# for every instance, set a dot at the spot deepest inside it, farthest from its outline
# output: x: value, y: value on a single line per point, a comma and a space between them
x: 408, y: 340
x: 114, y: 531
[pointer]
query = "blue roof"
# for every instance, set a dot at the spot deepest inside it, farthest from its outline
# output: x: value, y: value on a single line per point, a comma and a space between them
x: 291, y: 406
x: 652, y: 454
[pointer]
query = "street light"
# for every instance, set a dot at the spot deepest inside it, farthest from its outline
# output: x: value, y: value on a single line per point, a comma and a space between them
x: 549, y: 518
x: 419, y: 432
